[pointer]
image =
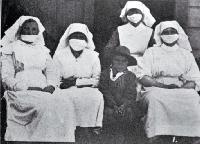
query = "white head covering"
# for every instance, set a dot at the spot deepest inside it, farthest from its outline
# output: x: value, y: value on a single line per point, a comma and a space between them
x: 11, y: 33
x: 76, y: 27
x: 183, y: 41
x: 149, y: 20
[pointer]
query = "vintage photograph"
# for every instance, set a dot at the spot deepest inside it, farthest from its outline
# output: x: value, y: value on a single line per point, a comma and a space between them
x: 100, y: 71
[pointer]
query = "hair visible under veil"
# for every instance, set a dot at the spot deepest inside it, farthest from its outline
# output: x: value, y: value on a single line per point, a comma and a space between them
x: 11, y: 33
x: 182, y: 42
x: 149, y: 20
x: 72, y: 28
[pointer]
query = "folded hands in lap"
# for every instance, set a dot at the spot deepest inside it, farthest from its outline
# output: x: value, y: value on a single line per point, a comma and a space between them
x: 186, y: 85
x: 68, y: 82
x: 71, y: 81
x: 171, y: 86
x: 23, y: 86
x: 49, y: 89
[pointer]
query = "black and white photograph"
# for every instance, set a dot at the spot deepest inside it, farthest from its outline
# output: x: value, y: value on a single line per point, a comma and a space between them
x: 100, y: 71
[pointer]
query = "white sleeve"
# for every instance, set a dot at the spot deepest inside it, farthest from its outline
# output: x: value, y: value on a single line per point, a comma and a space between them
x: 51, y: 72
x: 8, y: 71
x: 146, y: 65
x: 58, y: 68
x: 94, y: 80
x: 193, y: 72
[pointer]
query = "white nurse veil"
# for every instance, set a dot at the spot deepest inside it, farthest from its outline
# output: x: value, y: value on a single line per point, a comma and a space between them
x: 72, y: 28
x: 11, y: 33
x: 183, y: 41
x: 149, y: 20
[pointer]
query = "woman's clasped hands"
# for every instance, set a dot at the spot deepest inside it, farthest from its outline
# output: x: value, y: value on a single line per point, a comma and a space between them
x: 49, y: 89
x: 68, y: 82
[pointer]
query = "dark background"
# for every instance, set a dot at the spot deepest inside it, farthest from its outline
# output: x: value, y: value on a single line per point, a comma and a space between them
x: 101, y: 16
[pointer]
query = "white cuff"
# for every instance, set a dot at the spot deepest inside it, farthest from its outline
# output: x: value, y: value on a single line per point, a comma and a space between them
x: 84, y: 81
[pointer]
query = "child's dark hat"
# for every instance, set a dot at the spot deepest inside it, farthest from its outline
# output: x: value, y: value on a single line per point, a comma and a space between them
x: 124, y: 51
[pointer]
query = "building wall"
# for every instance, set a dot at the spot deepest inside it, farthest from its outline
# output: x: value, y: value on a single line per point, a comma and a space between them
x: 55, y: 15
x: 193, y: 24
x: 107, y: 12
x: 102, y: 16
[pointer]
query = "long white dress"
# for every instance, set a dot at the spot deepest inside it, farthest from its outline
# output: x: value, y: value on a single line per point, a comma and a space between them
x: 171, y: 111
x: 34, y: 115
x: 88, y: 101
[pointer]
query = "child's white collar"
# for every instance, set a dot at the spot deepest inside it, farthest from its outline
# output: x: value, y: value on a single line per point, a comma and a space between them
x: 117, y: 75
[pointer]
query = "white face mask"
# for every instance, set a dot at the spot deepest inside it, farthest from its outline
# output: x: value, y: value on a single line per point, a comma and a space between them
x: 29, y: 38
x: 169, y: 38
x: 77, y: 44
x: 135, y: 18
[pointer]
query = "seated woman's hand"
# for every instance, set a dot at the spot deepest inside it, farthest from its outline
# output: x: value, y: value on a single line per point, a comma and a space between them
x: 189, y: 85
x: 19, y: 67
x: 35, y: 88
x: 172, y: 86
x: 82, y: 86
x: 68, y: 82
x: 49, y: 89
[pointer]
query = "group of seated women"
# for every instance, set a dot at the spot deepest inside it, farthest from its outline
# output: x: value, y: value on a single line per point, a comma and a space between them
x: 47, y: 98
